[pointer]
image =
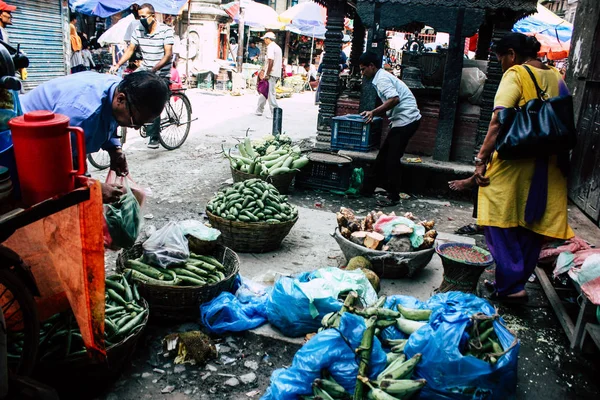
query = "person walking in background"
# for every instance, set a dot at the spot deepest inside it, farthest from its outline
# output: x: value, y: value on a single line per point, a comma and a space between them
x: 272, y: 70
x: 5, y: 20
x: 76, y: 46
x: 155, y: 42
x: 401, y: 106
x: 520, y: 201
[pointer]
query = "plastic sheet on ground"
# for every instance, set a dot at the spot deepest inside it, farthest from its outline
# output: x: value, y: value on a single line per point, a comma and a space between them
x: 332, y: 350
x: 226, y: 313
x: 297, y: 305
x: 449, y: 374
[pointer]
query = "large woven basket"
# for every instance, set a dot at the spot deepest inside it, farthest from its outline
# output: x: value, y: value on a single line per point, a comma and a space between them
x: 461, y: 276
x: 181, y: 303
x: 387, y: 264
x: 82, y: 374
x: 251, y: 237
x: 281, y: 182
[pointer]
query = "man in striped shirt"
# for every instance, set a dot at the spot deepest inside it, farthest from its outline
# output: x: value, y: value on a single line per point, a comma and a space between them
x: 155, y: 42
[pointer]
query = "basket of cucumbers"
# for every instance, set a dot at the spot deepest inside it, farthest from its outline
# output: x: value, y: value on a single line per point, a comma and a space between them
x: 64, y: 362
x: 176, y: 292
x: 252, y: 216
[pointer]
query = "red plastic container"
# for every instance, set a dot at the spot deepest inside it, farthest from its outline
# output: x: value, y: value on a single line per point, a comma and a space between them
x: 42, y: 144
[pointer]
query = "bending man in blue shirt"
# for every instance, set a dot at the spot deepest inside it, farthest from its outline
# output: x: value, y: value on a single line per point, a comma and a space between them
x: 99, y: 103
x: 401, y: 107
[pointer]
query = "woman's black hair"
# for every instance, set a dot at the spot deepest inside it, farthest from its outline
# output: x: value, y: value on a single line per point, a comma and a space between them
x: 145, y: 91
x: 523, y: 45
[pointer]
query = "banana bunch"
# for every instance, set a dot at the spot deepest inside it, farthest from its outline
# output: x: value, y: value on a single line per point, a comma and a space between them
x: 327, y: 389
x: 395, y: 381
x: 483, y: 342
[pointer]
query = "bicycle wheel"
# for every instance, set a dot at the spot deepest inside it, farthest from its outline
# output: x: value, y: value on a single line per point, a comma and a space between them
x: 175, y: 121
x: 100, y: 159
x: 22, y: 324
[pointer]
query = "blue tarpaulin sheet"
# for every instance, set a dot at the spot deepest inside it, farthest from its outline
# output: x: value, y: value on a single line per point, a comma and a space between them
x: 106, y: 8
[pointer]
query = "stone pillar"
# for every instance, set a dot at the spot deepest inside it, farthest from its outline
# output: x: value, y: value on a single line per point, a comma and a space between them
x: 358, y: 45
x: 484, y: 40
x: 494, y: 75
x: 330, y: 71
x: 450, y: 89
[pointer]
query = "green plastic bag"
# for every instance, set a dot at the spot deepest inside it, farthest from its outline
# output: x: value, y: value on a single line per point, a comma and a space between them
x: 123, y: 220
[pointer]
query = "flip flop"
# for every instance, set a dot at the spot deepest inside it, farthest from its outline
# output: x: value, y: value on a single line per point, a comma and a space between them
x: 490, y: 285
x: 471, y: 229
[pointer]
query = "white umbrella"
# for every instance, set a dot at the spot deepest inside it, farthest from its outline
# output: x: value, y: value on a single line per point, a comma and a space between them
x: 116, y: 33
x: 256, y: 15
x: 307, y: 13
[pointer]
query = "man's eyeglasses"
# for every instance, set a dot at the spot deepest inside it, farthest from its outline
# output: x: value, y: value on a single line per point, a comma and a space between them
x: 133, y: 124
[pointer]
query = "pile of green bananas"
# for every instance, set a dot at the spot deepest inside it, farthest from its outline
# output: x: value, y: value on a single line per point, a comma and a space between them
x: 395, y: 381
x: 483, y: 342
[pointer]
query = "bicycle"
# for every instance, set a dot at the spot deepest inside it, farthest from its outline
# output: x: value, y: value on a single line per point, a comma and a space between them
x: 175, y: 122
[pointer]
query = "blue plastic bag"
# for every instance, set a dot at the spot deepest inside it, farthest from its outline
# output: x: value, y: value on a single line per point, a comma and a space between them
x: 226, y: 313
x: 449, y: 374
x: 332, y: 350
x: 292, y: 312
x: 392, y: 332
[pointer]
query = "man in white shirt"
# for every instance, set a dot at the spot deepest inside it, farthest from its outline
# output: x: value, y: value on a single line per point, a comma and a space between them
x: 272, y: 69
x: 401, y: 107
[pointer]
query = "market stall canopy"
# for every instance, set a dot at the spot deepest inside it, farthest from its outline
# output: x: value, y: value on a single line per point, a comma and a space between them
x: 305, y: 14
x: 318, y: 32
x: 106, y: 8
x: 553, y: 32
x: 116, y: 33
x: 256, y: 15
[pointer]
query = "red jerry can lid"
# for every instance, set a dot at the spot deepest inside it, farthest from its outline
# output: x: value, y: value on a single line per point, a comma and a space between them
x: 39, y: 118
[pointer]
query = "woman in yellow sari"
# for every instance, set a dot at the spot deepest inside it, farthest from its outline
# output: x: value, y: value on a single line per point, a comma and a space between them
x: 520, y: 201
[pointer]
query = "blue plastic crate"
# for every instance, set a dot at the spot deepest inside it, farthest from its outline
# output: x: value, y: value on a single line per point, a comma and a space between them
x: 350, y: 132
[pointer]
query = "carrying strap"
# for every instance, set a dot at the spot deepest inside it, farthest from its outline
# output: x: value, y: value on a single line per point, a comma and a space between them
x: 541, y: 94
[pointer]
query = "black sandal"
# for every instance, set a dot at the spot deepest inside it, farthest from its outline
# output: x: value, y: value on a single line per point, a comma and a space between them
x: 471, y: 229
x: 509, y: 300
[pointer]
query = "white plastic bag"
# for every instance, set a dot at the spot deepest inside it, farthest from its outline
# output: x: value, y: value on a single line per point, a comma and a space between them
x: 167, y: 246
x: 471, y: 84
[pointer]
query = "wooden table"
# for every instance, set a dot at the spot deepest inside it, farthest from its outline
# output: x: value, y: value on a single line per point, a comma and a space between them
x: 576, y: 333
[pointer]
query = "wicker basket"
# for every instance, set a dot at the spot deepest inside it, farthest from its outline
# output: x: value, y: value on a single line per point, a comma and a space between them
x: 251, y: 237
x: 387, y: 264
x: 81, y: 373
x: 281, y: 182
x: 461, y: 276
x: 239, y: 176
x: 181, y: 303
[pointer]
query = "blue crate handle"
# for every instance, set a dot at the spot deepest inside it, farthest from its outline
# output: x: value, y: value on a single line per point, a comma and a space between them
x: 354, y: 117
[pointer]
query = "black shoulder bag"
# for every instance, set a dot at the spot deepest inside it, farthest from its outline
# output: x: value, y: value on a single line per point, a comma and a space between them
x: 541, y: 128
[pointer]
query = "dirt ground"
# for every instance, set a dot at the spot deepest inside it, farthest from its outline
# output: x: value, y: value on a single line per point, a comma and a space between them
x: 182, y: 181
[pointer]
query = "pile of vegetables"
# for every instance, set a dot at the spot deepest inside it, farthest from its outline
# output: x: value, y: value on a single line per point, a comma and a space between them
x: 394, y: 382
x: 252, y: 201
x: 125, y: 313
x: 362, y: 231
x: 267, y: 157
x: 197, y: 270
x: 483, y: 342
